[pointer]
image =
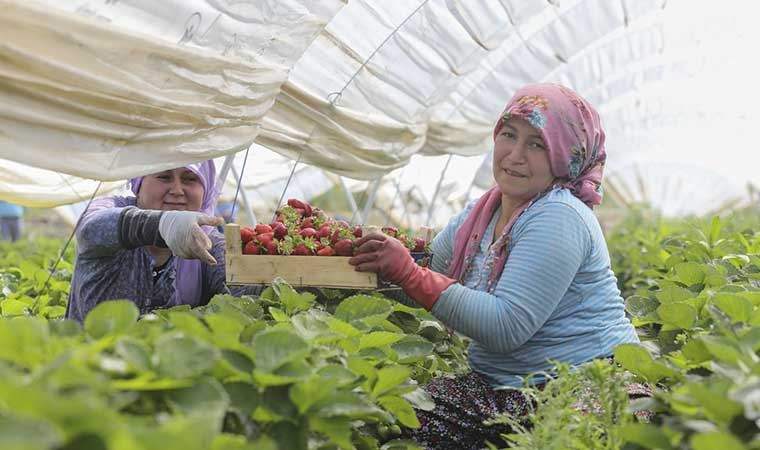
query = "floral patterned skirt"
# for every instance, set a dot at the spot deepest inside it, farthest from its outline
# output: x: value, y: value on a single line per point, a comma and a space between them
x: 465, y: 402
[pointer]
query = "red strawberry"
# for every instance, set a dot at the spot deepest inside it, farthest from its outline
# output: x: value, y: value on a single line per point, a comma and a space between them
x: 301, y: 250
x: 265, y: 237
x: 263, y: 228
x: 298, y: 204
x: 271, y: 247
x: 307, y: 223
x: 251, y: 248
x: 343, y: 224
x: 390, y: 231
x: 308, y: 232
x: 279, y: 229
x: 419, y: 245
x: 246, y: 234
x: 358, y: 231
x: 324, y: 232
x: 326, y: 251
x: 344, y: 247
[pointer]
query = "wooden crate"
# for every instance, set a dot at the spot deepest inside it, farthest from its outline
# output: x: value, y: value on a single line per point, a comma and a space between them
x: 298, y: 271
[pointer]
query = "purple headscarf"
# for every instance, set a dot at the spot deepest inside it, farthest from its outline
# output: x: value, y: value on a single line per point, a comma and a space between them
x: 188, y: 279
x: 573, y: 133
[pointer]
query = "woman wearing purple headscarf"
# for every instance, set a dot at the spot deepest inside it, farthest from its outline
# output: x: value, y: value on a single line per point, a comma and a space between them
x: 157, y: 249
x: 524, y: 271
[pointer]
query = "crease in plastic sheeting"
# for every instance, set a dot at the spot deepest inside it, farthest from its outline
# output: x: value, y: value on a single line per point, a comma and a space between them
x: 164, y: 105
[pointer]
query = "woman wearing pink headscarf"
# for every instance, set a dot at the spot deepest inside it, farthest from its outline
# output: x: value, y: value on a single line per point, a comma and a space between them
x: 158, y: 248
x: 524, y: 271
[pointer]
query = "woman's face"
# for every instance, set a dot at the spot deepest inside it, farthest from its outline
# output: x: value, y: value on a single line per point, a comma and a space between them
x: 178, y: 189
x: 521, y: 160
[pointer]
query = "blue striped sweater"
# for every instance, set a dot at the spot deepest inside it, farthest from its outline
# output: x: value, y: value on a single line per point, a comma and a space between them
x: 557, y: 298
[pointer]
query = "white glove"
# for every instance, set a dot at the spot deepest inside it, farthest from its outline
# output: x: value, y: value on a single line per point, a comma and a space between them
x: 184, y: 236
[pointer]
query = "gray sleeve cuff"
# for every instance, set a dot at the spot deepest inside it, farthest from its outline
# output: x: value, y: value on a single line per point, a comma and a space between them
x: 139, y: 227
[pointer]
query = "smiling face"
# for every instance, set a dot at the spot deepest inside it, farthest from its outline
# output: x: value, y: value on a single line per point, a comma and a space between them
x: 520, y: 161
x: 178, y: 189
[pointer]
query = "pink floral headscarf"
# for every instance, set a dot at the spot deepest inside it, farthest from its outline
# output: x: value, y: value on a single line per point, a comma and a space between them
x: 573, y: 133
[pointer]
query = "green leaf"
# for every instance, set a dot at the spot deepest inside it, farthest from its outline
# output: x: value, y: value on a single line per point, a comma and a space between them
x: 738, y: 308
x: 363, y: 306
x: 190, y: 324
x: 412, y: 348
x: 11, y: 307
x: 336, y: 429
x: 135, y: 352
x: 378, y: 339
x: 716, y: 440
x: 646, y: 435
x: 309, y: 392
x: 278, y: 314
x: 723, y: 349
x: 671, y: 294
x: 238, y: 361
x: 184, y: 357
x: 292, y: 300
x: 347, y: 404
x: 401, y: 409
x: 277, y: 347
x: 111, y: 317
x: 696, y: 351
x: 342, y: 327
x: 715, y: 402
x: 244, y: 397
x: 679, y: 315
x: 237, y: 442
x: 388, y: 378
x: 690, y: 273
x: 639, y: 306
x: 638, y: 361
x: 20, y: 433
x: 207, y: 395
x: 420, y: 399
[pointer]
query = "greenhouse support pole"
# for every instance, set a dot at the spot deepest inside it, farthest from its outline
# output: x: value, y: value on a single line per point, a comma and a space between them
x: 349, y: 197
x: 224, y: 171
x: 437, y: 190
x: 244, y: 194
x: 373, y: 187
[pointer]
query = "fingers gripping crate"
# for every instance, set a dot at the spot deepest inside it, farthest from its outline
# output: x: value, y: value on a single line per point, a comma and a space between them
x: 301, y: 271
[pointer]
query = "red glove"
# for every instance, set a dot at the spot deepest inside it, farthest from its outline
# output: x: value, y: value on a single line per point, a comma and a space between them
x: 386, y: 256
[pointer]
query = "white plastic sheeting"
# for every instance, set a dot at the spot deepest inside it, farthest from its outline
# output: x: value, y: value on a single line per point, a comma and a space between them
x: 371, y: 83
x: 389, y: 79
x: 122, y: 96
x: 30, y: 186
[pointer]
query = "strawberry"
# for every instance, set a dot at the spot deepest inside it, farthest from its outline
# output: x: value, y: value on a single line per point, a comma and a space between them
x: 298, y: 204
x: 263, y: 228
x: 325, y: 251
x: 308, y: 232
x: 265, y: 237
x: 271, y: 247
x: 419, y: 245
x: 251, y: 248
x: 246, y: 234
x: 324, y: 232
x: 344, y: 247
x: 342, y: 224
x: 279, y: 229
x: 358, y: 231
x: 390, y: 231
x: 307, y: 223
x: 301, y: 250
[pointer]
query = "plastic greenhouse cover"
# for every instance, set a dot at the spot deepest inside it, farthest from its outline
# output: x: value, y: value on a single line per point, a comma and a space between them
x: 359, y: 88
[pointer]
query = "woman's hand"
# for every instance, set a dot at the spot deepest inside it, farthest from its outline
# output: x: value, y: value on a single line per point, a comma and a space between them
x: 184, y: 236
x: 386, y: 256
